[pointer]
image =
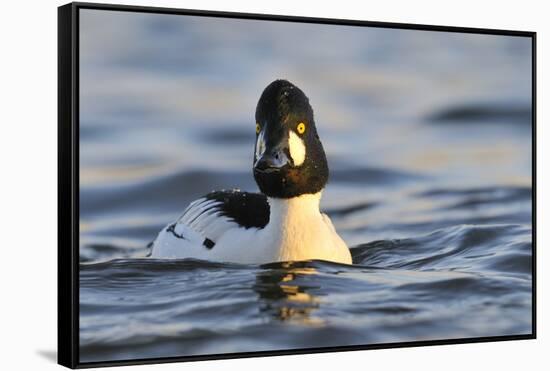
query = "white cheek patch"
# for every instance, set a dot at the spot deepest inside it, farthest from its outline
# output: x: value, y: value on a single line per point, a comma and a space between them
x: 297, y: 148
x: 260, y: 145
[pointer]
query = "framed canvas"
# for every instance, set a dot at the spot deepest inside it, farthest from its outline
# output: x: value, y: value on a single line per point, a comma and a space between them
x: 242, y: 185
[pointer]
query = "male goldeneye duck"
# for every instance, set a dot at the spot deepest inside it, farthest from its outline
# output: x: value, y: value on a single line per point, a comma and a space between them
x: 283, y: 223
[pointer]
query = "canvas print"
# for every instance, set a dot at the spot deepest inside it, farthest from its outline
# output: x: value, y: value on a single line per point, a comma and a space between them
x: 262, y: 185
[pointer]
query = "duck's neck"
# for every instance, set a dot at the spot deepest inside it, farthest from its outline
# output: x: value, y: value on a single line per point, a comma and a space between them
x: 295, y: 225
x: 294, y: 210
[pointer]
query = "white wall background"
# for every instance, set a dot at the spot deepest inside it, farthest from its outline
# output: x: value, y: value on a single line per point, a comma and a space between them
x: 28, y: 163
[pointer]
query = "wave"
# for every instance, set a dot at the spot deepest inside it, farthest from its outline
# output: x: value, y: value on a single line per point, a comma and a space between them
x: 491, y: 113
x: 503, y: 249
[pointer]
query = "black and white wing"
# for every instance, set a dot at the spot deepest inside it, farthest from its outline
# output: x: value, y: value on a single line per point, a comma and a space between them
x: 207, y: 219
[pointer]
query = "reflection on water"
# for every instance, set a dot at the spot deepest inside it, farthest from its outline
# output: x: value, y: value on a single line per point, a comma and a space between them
x: 428, y: 138
x: 282, y: 297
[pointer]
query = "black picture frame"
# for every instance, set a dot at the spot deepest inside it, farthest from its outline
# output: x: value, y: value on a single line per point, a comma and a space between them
x: 68, y: 181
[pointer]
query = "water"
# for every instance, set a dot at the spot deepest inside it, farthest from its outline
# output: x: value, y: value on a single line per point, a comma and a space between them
x: 428, y: 138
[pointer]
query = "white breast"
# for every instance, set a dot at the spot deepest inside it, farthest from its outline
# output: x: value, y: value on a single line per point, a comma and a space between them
x: 301, y: 232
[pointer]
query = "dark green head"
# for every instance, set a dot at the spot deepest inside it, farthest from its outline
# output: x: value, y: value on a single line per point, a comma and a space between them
x: 289, y: 159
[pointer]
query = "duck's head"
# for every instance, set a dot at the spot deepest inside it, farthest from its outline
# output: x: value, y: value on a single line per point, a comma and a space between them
x: 289, y: 159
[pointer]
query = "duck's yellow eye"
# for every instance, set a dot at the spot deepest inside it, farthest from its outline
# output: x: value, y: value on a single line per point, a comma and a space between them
x: 258, y: 128
x: 301, y: 128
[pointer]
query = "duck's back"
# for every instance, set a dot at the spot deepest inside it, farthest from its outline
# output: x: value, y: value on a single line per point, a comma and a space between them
x: 209, y: 220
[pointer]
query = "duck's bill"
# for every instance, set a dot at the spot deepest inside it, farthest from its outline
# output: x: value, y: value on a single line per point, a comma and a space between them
x: 268, y: 170
x: 271, y: 162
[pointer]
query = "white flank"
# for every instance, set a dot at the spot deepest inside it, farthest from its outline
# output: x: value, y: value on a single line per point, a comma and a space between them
x: 297, y: 148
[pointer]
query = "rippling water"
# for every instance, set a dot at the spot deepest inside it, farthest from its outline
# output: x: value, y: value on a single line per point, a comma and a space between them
x: 428, y: 137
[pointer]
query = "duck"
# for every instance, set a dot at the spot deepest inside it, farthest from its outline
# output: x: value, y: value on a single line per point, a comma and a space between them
x: 284, y: 222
